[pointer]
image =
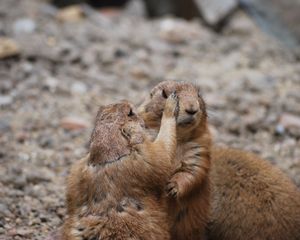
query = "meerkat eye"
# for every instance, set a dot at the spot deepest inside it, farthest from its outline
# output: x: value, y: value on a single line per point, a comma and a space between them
x: 131, y: 113
x: 164, y: 94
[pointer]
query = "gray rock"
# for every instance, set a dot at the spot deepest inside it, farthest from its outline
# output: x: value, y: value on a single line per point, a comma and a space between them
x: 215, y: 11
x: 5, y: 100
x: 78, y: 88
x: 4, y: 126
x: 24, y: 25
x: 4, y: 211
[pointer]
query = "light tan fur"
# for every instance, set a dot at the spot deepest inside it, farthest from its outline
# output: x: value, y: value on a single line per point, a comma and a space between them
x: 251, y: 199
x: 117, y: 191
x: 188, y: 188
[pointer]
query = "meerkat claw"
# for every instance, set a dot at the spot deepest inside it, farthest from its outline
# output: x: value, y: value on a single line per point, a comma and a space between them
x: 172, y: 190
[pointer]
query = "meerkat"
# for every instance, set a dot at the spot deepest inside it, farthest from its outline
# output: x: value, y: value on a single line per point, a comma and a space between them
x: 189, y: 187
x: 250, y: 198
x: 116, y: 191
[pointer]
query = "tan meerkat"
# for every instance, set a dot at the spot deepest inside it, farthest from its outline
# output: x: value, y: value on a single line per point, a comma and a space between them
x: 116, y: 192
x: 251, y: 199
x: 188, y: 188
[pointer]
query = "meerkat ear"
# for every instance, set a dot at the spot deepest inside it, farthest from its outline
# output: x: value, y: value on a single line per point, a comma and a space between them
x: 107, y: 144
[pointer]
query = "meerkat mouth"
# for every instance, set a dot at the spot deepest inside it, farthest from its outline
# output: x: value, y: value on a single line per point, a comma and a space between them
x: 186, y: 121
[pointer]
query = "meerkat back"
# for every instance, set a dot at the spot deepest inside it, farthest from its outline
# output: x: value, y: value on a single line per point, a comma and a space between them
x: 251, y: 199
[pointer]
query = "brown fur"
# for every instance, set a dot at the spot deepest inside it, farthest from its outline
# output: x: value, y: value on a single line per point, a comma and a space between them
x: 251, y: 199
x: 116, y: 192
x: 188, y: 188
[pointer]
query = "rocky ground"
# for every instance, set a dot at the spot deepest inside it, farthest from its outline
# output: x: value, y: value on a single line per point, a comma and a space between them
x: 69, y: 64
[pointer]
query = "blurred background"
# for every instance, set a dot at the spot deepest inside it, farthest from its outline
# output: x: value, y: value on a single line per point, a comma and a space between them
x: 60, y: 60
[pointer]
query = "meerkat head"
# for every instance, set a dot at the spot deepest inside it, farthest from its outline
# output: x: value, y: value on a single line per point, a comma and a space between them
x: 116, y: 130
x: 192, y: 110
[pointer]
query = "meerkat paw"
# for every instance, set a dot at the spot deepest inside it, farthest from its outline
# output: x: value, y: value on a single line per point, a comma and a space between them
x: 172, y: 106
x: 172, y: 189
x: 176, y: 186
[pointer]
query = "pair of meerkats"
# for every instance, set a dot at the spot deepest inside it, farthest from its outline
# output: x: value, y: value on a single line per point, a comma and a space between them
x: 156, y: 175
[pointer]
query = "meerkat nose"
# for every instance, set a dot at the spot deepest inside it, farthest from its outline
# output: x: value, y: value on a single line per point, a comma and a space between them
x: 191, y: 111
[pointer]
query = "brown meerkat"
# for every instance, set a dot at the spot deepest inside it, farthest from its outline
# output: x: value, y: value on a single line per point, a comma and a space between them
x: 116, y: 191
x: 188, y: 188
x: 251, y: 199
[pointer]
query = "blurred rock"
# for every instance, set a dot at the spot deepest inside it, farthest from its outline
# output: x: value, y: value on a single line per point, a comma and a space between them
x: 140, y: 72
x: 8, y: 48
x: 78, y: 88
x: 74, y: 123
x: 51, y: 84
x: 5, y: 100
x: 4, y: 210
x: 279, y: 130
x: 24, y: 25
x: 5, y: 126
x: 215, y: 11
x: 291, y: 123
x: 278, y: 18
x: 176, y: 31
x: 288, y: 120
x: 240, y: 24
x: 70, y: 14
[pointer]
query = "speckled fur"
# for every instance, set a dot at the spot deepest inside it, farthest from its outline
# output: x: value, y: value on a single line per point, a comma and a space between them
x: 116, y: 192
x: 189, y: 187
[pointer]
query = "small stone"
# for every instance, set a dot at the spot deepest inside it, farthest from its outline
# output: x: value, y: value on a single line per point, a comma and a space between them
x: 279, y: 130
x: 289, y: 120
x: 5, y: 100
x: 19, y: 182
x: 70, y: 14
x: 79, y: 88
x: 24, y: 25
x: 74, y: 123
x: 22, y: 136
x: 175, y: 31
x: 24, y: 231
x: 4, y: 126
x: 38, y: 176
x: 110, y: 12
x: 8, y: 48
x: 140, y: 72
x: 45, y: 141
x: 4, y: 211
x: 51, y: 84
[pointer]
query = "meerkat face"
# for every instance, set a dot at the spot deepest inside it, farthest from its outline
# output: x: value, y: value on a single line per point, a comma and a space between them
x: 117, y: 129
x: 192, y: 109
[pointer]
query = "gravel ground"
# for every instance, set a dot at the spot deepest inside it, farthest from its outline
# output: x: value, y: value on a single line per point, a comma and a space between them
x: 50, y: 92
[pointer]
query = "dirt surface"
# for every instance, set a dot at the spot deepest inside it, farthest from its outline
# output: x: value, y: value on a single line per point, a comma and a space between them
x: 49, y: 95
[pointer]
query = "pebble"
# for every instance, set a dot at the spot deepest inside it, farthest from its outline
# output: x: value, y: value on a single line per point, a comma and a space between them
x: 175, y: 31
x: 279, y: 130
x: 24, y: 25
x: 5, y: 100
x: 4, y: 126
x: 4, y: 211
x: 74, y: 123
x: 45, y: 141
x: 8, y: 48
x: 289, y: 120
x: 70, y: 14
x: 78, y: 88
x: 51, y: 84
